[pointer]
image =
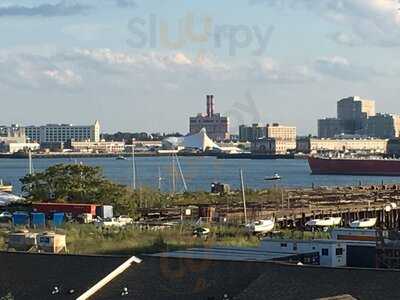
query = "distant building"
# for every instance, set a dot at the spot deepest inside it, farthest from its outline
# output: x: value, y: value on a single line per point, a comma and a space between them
x: 251, y: 133
x: 272, y: 146
x: 314, y: 145
x: 384, y: 125
x: 217, y: 126
x: 98, y: 147
x: 352, y: 118
x: 12, y: 147
x: 393, y: 147
x: 280, y: 132
x: 329, y: 127
x: 63, y: 133
x: 354, y: 113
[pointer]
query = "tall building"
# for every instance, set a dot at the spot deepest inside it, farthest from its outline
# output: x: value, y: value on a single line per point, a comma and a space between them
x: 251, y: 133
x: 217, y: 126
x: 279, y: 140
x: 384, y: 125
x: 352, y: 118
x: 354, y: 113
x: 63, y: 133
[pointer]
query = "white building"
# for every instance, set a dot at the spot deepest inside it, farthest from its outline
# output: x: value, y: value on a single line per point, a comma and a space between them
x: 98, y: 147
x: 63, y: 133
x: 10, y: 147
x: 332, y: 253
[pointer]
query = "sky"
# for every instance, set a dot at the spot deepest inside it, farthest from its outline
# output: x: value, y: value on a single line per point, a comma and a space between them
x: 147, y: 65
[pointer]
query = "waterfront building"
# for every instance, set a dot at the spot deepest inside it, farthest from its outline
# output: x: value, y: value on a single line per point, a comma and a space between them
x: 384, y: 125
x: 251, y: 133
x: 272, y: 146
x: 63, y: 133
x: 198, y: 141
x: 216, y: 125
x: 315, y: 145
x: 98, y: 147
x: 13, y: 147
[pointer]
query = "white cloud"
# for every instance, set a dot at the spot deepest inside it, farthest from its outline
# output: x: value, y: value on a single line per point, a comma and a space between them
x: 369, y: 22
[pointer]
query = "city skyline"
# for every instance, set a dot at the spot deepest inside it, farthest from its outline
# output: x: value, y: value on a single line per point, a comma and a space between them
x: 127, y: 64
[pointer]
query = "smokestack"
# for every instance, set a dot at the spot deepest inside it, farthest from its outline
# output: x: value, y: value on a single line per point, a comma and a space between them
x: 210, y: 105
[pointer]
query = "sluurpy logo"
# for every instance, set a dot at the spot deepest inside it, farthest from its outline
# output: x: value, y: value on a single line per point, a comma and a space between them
x: 201, y: 33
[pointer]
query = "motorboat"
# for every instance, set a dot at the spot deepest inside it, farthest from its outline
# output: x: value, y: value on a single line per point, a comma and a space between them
x: 261, y: 226
x: 120, y: 157
x: 363, y: 223
x: 324, y: 222
x: 274, y: 177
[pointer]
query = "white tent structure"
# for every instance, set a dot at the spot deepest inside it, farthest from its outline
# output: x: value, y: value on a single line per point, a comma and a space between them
x: 198, y: 141
x: 6, y: 199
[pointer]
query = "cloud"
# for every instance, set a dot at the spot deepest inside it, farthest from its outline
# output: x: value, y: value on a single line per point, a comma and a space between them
x: 340, y: 68
x: 368, y: 22
x: 44, y: 10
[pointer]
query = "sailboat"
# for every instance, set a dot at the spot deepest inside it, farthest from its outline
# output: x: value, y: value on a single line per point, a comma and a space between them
x: 324, y: 222
x: 259, y: 227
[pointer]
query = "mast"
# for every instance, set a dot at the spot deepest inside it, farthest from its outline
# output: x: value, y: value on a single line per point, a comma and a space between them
x: 133, y: 165
x: 159, y: 179
x: 243, y: 196
x: 173, y: 175
x: 30, y: 170
x: 181, y: 173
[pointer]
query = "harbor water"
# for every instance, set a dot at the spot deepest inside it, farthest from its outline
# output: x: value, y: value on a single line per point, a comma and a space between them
x: 199, y: 172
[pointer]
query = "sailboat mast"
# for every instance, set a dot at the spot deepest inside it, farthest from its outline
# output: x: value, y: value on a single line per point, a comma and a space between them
x: 181, y: 173
x: 173, y: 175
x: 133, y: 165
x: 243, y: 196
x: 159, y: 179
x: 30, y: 162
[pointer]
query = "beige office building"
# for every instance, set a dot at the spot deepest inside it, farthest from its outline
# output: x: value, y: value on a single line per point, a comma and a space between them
x: 280, y: 132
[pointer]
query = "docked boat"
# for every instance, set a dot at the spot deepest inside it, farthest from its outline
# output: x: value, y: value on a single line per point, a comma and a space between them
x: 363, y: 223
x: 325, y: 222
x: 373, y: 166
x: 274, y: 177
x: 261, y: 226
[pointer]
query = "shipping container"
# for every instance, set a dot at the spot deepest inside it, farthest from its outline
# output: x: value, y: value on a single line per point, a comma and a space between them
x: 38, y: 219
x: 20, y: 218
x: 58, y: 219
x: 70, y: 208
x: 104, y: 211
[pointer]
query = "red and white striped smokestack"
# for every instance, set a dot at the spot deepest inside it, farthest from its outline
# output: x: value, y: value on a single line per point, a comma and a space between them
x: 210, y: 105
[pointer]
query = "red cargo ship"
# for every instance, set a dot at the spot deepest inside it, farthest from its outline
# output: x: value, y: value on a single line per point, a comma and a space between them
x: 354, y: 166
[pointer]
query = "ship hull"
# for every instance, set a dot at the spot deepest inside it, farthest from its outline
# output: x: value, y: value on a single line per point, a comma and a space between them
x: 367, y: 167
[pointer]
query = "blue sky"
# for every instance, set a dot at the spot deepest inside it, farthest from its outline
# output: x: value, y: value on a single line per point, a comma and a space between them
x: 147, y: 65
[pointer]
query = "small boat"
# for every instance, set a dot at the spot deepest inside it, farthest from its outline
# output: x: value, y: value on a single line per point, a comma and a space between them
x: 120, y: 157
x: 261, y: 226
x: 363, y: 223
x: 275, y: 177
x: 325, y: 222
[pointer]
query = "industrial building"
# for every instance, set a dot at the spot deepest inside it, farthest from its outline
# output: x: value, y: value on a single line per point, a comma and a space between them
x: 216, y: 125
x: 383, y: 125
x: 279, y: 139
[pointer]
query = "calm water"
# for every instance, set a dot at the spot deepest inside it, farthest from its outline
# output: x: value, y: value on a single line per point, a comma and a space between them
x: 199, y: 172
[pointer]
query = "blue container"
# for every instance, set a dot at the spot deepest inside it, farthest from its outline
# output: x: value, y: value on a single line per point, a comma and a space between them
x: 38, y: 219
x: 20, y: 218
x: 58, y: 219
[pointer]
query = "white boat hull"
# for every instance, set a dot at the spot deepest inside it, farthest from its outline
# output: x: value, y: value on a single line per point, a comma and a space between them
x: 363, y: 223
x: 326, y: 222
x: 261, y: 226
